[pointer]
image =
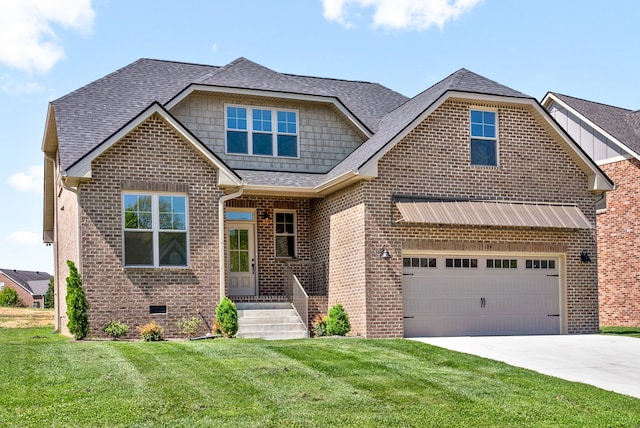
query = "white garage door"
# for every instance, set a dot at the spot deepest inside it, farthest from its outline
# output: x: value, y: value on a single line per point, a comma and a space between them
x: 480, y: 295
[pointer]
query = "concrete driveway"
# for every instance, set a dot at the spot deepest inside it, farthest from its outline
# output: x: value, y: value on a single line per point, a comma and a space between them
x: 608, y: 362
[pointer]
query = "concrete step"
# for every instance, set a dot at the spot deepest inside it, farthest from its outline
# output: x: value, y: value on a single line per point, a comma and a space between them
x: 272, y: 320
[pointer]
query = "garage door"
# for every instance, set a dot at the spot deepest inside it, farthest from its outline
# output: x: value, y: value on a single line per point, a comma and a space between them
x: 480, y: 295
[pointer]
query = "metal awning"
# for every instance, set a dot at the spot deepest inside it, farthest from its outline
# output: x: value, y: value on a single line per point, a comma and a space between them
x: 491, y: 213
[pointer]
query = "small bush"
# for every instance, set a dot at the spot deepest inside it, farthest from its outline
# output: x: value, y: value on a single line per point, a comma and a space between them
x: 77, y: 304
x: 115, y: 329
x: 226, y: 322
x: 151, y: 332
x: 9, y: 298
x: 189, y: 326
x: 337, y: 321
x: 320, y: 325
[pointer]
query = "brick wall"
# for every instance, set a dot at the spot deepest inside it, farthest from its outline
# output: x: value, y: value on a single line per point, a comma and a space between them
x: 433, y: 160
x: 151, y: 157
x: 270, y: 269
x: 618, y: 244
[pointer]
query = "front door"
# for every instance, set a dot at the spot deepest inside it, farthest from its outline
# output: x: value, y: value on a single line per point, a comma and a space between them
x: 242, y: 262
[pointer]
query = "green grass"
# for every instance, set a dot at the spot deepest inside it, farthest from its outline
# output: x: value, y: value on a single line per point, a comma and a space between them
x: 48, y: 380
x: 626, y: 331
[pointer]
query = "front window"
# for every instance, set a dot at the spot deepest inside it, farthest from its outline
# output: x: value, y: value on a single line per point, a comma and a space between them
x: 262, y: 131
x: 484, y: 138
x: 155, y: 230
x: 285, y: 234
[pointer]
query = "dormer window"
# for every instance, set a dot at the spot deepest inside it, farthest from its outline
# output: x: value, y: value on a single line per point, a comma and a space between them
x: 484, y: 138
x: 261, y: 131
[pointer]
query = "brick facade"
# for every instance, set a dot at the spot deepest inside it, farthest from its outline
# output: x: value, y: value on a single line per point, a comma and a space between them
x: 618, y: 243
x: 151, y: 157
x: 433, y: 160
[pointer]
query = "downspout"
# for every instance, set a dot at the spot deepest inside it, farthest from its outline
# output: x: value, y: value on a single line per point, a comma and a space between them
x: 221, y: 235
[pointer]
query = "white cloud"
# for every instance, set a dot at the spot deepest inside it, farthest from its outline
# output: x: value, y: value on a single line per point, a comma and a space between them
x: 14, y: 87
x: 27, y: 39
x: 400, y: 14
x: 23, y: 237
x: 30, y: 181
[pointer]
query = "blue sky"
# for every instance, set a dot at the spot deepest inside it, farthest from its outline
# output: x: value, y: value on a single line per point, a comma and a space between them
x: 48, y: 48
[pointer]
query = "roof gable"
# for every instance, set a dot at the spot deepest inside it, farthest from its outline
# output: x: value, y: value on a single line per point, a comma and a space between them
x: 30, y: 281
x: 621, y: 124
x: 82, y: 168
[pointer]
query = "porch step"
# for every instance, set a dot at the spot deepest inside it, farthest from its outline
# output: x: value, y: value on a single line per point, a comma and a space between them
x: 272, y: 321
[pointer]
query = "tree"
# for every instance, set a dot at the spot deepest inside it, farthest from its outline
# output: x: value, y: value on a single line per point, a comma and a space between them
x: 337, y: 321
x: 226, y: 318
x: 9, y: 298
x: 77, y: 305
x: 48, y: 296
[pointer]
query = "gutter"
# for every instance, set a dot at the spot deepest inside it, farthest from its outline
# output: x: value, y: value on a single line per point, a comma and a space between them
x: 221, y: 235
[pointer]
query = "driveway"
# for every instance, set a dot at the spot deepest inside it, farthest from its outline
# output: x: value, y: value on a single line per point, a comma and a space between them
x: 608, y: 362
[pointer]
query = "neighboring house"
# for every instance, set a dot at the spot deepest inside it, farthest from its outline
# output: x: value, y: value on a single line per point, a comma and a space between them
x: 611, y: 137
x: 31, y: 286
x: 463, y: 210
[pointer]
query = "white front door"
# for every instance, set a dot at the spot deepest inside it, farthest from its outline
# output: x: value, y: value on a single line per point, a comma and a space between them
x: 241, y: 259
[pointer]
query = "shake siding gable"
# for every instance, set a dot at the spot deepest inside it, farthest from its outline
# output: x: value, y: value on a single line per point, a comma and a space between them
x: 150, y: 158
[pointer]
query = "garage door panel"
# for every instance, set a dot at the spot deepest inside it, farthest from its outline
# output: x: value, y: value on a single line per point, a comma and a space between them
x: 481, y: 300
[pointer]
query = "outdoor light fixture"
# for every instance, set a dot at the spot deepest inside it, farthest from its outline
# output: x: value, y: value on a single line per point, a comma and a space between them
x: 385, y: 253
x: 584, y: 257
x: 265, y: 215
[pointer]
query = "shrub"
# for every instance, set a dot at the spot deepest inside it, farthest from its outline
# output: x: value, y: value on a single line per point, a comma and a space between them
x: 320, y: 325
x: 337, y: 321
x: 48, y: 296
x: 151, y: 332
x: 9, y: 298
x: 189, y: 326
x: 77, y: 305
x: 115, y: 329
x: 226, y: 318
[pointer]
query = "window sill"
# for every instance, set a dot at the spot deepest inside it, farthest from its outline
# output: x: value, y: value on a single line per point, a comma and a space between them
x: 490, y: 167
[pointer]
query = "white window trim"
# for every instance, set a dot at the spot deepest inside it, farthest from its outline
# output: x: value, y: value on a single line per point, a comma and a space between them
x: 274, y: 132
x: 496, y: 139
x: 295, y: 233
x: 155, y: 215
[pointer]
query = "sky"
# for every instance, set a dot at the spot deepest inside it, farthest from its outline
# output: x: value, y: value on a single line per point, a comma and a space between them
x: 48, y: 48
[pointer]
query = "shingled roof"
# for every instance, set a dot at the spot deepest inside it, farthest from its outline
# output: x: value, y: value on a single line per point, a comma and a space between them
x: 620, y: 123
x: 35, y: 283
x: 91, y: 114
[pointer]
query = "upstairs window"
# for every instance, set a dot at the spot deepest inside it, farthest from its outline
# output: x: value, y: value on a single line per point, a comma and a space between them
x: 261, y: 131
x: 484, y: 138
x: 155, y: 230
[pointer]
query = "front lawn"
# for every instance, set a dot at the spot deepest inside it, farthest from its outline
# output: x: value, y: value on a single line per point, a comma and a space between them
x: 48, y: 380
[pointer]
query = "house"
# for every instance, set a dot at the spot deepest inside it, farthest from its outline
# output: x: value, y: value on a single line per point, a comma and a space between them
x: 31, y: 286
x: 463, y: 210
x: 611, y: 137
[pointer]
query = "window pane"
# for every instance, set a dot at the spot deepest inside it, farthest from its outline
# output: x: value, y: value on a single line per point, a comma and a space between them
x: 137, y: 212
x: 173, y: 249
x: 490, y: 131
x: 244, y: 239
x: 476, y: 116
x: 489, y: 118
x: 263, y: 144
x: 483, y: 152
x: 406, y: 262
x: 285, y: 246
x: 287, y: 145
x: 234, y: 264
x: 237, y: 142
x: 476, y: 130
x: 172, y: 212
x: 243, y: 261
x: 138, y: 248
x: 287, y: 122
x: 236, y: 118
x: 239, y: 215
x: 262, y: 120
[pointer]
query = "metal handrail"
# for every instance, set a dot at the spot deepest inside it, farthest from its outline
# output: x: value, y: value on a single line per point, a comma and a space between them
x: 300, y: 300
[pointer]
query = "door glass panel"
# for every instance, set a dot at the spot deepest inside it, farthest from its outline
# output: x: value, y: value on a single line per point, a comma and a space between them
x: 238, y: 250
